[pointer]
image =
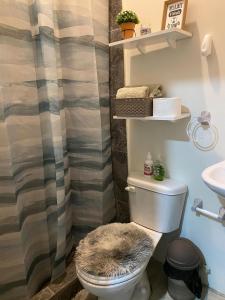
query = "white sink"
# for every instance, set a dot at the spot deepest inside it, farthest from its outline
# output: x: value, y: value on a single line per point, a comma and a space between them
x: 214, y: 177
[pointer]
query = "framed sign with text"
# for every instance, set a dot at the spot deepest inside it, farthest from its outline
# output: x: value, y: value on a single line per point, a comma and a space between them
x: 174, y: 14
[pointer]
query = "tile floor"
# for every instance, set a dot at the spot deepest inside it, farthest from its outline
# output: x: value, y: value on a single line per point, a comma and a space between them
x: 63, y: 289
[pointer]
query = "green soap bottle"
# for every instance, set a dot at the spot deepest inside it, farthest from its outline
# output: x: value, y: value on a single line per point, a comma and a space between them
x: 158, y: 171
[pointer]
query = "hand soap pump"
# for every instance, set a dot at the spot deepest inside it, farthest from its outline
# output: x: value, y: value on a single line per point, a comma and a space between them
x: 158, y: 170
x: 148, y: 165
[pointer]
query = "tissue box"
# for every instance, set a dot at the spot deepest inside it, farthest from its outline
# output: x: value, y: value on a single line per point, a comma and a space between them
x: 166, y: 107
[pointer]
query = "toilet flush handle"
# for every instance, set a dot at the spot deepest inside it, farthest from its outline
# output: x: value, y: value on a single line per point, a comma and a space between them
x: 130, y: 189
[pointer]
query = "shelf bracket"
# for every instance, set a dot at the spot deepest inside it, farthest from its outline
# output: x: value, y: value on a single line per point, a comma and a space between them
x: 172, y: 43
x: 141, y: 49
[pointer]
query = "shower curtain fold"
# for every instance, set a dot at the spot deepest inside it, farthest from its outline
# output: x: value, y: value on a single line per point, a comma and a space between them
x: 55, y: 150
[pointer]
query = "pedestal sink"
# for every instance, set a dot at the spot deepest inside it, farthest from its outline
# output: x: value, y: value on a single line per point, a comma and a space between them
x: 214, y: 177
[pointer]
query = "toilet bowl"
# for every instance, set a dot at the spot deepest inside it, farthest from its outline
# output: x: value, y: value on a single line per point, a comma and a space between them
x: 131, y: 285
x: 122, y: 287
x: 155, y: 208
x: 117, y: 289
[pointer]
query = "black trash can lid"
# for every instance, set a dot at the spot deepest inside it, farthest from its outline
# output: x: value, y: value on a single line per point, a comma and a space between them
x: 182, y: 254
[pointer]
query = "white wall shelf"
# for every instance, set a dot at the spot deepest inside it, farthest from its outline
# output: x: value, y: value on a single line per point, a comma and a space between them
x: 152, y: 118
x: 154, y: 41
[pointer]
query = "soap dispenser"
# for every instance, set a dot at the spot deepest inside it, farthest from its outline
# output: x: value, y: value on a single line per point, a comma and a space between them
x: 158, y: 170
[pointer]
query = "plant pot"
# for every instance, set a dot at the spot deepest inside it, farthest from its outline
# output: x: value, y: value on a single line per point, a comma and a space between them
x: 127, y: 30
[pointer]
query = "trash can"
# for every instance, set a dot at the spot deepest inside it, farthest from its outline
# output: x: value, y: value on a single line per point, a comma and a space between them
x: 182, y: 268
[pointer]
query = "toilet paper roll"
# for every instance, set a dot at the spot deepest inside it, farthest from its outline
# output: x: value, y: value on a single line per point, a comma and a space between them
x: 167, y: 107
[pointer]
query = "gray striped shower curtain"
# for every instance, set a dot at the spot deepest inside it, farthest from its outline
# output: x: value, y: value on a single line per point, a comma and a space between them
x: 55, y: 152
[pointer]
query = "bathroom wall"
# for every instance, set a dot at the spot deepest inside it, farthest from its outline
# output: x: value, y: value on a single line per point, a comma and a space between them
x: 118, y: 128
x: 200, y: 82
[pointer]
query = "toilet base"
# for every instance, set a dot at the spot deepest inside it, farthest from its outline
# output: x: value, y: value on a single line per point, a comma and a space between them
x: 127, y: 295
x: 141, y: 291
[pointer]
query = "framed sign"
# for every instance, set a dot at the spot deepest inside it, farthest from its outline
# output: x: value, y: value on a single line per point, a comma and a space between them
x: 174, y: 14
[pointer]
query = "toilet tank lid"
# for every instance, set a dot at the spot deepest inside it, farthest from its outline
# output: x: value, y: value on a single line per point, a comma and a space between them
x: 166, y: 187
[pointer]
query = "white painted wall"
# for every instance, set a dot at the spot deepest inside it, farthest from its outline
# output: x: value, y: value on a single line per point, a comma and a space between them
x: 200, y: 82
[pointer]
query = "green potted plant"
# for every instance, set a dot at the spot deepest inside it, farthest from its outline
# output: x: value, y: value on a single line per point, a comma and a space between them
x: 127, y: 20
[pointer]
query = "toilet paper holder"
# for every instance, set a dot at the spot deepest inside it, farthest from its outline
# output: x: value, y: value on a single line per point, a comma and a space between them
x: 198, y: 208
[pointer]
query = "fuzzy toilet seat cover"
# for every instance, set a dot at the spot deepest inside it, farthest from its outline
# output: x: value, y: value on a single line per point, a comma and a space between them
x: 113, y: 250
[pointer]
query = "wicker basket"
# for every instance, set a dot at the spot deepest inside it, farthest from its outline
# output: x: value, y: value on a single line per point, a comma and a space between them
x: 134, y: 107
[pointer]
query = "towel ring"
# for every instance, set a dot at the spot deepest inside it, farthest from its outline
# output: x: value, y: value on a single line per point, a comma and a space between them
x: 203, y: 134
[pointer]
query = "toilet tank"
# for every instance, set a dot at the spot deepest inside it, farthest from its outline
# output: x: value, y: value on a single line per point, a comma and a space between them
x: 157, y: 205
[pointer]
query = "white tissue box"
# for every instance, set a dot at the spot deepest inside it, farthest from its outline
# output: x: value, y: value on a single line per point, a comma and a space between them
x: 166, y: 107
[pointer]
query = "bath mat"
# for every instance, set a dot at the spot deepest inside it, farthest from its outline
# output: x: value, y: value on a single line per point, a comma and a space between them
x: 113, y: 250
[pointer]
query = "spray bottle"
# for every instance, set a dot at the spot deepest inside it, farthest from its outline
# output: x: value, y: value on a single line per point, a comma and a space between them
x: 148, y: 165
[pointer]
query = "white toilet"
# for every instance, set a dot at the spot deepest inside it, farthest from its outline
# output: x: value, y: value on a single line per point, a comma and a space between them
x: 155, y: 208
